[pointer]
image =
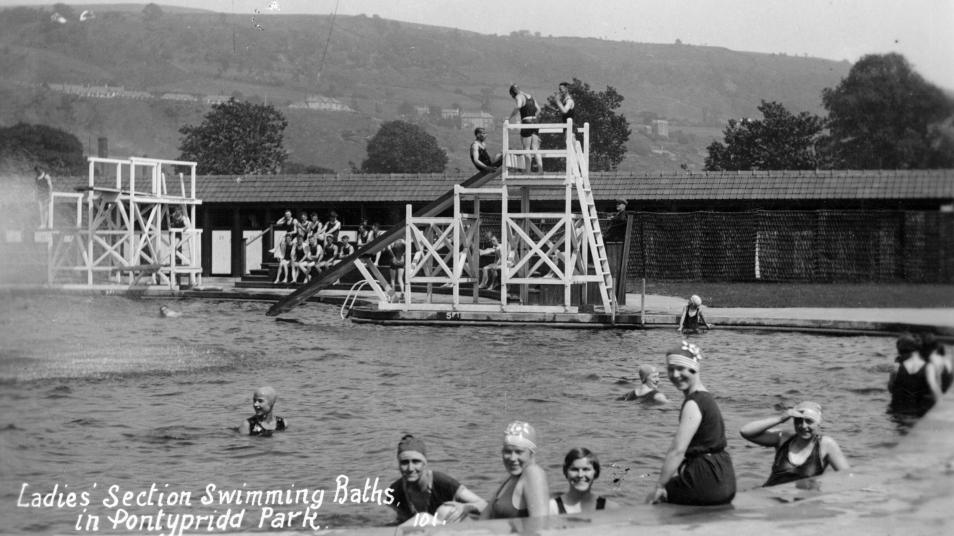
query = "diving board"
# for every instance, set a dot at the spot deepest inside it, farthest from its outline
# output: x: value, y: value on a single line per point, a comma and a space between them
x: 130, y: 218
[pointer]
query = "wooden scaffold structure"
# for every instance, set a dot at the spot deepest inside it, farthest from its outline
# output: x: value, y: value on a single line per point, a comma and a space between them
x: 536, y: 249
x: 127, y: 222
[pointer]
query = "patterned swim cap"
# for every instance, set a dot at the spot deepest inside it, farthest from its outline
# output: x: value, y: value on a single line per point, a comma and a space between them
x: 687, y: 355
x: 521, y: 434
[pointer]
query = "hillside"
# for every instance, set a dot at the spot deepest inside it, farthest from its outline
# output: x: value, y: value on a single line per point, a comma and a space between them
x: 373, y: 65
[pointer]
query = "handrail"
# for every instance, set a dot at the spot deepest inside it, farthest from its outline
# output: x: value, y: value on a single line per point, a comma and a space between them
x: 353, y: 296
x: 250, y: 241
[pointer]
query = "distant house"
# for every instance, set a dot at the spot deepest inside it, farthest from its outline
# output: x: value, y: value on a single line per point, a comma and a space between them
x: 470, y: 120
x: 184, y: 97
x: 422, y: 110
x: 320, y: 102
x: 450, y: 113
x: 134, y: 94
x: 660, y: 128
x: 216, y: 99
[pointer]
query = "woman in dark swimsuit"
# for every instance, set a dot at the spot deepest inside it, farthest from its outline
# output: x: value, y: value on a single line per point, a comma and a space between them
x: 801, y: 453
x: 525, y: 492
x: 422, y: 492
x: 697, y: 470
x: 914, y: 385
x: 264, y: 422
x: 581, y: 468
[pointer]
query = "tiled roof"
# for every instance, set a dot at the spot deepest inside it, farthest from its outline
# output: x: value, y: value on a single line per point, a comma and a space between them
x: 763, y: 185
x: 745, y: 186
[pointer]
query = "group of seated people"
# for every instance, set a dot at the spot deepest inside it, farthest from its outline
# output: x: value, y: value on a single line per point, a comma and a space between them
x: 696, y: 470
x: 310, y: 246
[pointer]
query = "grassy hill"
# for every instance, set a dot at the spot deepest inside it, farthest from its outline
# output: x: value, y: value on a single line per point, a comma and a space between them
x: 373, y: 65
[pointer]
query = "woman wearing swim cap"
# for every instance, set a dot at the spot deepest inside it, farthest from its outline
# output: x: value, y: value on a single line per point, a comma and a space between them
x: 691, y: 317
x: 697, y: 470
x: 264, y: 422
x: 525, y: 492
x: 581, y: 468
x: 648, y: 389
x: 423, y: 491
x: 801, y: 453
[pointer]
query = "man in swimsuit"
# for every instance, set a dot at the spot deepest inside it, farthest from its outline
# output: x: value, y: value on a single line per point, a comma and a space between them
x: 479, y: 155
x: 526, y: 110
x: 801, y: 453
x: 264, y: 422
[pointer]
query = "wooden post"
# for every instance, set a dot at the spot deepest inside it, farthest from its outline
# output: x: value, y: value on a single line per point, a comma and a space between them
x: 206, y: 240
x: 237, y: 244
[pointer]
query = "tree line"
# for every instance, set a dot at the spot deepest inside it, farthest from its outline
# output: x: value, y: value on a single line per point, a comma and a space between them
x: 883, y: 115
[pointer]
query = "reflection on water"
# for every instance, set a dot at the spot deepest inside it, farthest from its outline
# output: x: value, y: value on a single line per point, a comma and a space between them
x: 102, y: 392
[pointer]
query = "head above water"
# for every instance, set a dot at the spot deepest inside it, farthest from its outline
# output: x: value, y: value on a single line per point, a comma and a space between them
x: 907, y: 343
x: 580, y: 453
x: 646, y: 372
x: 268, y: 393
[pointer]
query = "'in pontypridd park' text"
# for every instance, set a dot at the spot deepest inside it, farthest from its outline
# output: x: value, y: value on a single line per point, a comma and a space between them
x: 167, y: 511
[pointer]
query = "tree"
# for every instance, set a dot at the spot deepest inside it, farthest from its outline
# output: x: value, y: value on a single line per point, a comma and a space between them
x: 779, y: 141
x: 152, y: 12
x: 401, y: 147
x: 50, y: 148
x: 236, y: 138
x: 609, y: 131
x: 883, y: 115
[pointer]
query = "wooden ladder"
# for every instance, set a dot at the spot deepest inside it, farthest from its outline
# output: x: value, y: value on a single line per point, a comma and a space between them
x: 591, y: 226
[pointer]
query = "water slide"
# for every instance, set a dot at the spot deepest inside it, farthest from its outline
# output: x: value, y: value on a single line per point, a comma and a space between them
x: 327, y: 278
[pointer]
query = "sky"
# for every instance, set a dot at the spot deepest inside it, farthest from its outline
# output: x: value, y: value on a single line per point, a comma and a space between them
x: 921, y: 30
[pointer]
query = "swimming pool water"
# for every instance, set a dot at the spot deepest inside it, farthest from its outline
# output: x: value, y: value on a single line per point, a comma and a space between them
x: 102, y: 392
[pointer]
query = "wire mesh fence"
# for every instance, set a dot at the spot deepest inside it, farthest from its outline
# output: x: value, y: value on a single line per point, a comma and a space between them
x: 794, y: 246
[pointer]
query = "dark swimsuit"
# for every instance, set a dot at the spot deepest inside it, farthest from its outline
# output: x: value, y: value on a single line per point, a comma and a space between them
x: 705, y: 476
x: 911, y: 394
x: 783, y: 470
x: 255, y: 427
x: 600, y: 504
x: 504, y: 509
x: 528, y: 114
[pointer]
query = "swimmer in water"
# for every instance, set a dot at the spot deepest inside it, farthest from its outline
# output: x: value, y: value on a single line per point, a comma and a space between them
x: 422, y: 492
x: 648, y: 390
x: 581, y: 468
x: 166, y: 312
x: 800, y: 453
x: 264, y: 422
x: 525, y: 492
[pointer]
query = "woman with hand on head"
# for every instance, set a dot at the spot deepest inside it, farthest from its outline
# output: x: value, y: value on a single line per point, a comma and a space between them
x: 264, y: 422
x: 525, y: 492
x: 421, y: 491
x: 800, y: 453
x: 581, y: 468
x: 697, y: 470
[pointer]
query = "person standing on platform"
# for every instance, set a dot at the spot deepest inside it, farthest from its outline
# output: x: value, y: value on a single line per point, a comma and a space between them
x: 617, y: 224
x: 43, y: 190
x: 527, y: 110
x: 479, y: 155
x: 564, y: 102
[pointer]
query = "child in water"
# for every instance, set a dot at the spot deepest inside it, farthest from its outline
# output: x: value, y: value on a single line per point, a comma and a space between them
x: 264, y: 422
x: 691, y: 318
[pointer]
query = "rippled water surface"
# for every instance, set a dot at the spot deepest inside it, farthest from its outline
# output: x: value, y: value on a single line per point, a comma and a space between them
x: 101, y: 392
